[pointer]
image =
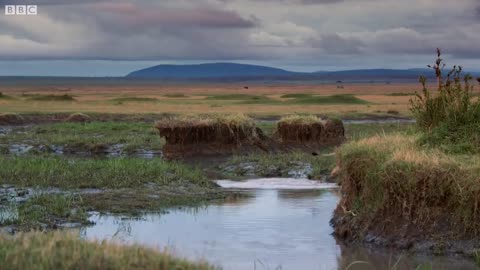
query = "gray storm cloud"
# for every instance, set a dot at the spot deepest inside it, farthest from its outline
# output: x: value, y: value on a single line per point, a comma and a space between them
x: 234, y: 30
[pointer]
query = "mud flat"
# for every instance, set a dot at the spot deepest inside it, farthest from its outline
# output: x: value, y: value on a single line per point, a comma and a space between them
x: 396, y: 193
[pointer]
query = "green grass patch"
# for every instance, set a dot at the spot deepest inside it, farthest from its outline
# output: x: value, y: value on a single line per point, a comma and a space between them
x: 134, y: 99
x: 297, y: 96
x: 100, y: 173
x: 62, y: 250
x: 46, y: 211
x: 38, y: 97
x: 87, y: 136
x: 329, y: 100
x: 175, y: 95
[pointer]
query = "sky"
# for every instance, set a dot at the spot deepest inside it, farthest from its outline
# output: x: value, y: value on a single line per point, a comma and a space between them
x: 113, y: 38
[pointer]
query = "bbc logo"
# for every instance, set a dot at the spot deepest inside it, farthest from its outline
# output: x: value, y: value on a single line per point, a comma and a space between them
x: 21, y: 10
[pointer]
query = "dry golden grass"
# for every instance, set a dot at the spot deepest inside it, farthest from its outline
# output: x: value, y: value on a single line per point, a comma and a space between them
x: 101, y: 99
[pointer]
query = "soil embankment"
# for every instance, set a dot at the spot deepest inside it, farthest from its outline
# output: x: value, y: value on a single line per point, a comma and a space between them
x: 397, y: 194
x: 234, y: 134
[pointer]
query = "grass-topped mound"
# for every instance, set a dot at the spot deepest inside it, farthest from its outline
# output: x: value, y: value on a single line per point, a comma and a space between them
x: 402, y: 194
x: 205, y: 134
x: 310, y: 129
x: 67, y: 251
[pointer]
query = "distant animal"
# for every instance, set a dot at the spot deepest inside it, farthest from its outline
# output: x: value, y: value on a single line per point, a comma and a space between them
x: 245, y: 87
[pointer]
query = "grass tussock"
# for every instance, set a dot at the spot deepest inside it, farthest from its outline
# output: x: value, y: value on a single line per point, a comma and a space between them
x: 60, y: 250
x: 310, y: 129
x: 393, y: 187
x: 102, y: 173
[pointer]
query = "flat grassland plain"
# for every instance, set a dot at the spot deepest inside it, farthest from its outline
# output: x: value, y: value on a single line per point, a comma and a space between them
x: 256, y: 99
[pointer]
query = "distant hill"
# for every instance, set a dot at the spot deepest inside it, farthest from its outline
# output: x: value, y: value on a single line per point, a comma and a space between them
x: 214, y: 70
x: 236, y: 72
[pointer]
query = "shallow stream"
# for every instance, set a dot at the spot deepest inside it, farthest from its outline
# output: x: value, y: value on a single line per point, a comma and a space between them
x: 279, y: 226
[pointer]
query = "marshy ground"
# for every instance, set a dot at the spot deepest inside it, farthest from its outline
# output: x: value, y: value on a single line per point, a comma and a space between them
x: 58, y: 169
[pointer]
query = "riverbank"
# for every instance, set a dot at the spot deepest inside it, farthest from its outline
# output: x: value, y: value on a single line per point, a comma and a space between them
x: 398, y: 193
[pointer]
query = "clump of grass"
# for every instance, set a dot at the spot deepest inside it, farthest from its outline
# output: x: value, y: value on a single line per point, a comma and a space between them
x: 389, y: 184
x: 449, y: 115
x: 134, y: 99
x: 328, y: 100
x: 102, y: 173
x: 310, y: 129
x: 37, y: 97
x: 62, y: 250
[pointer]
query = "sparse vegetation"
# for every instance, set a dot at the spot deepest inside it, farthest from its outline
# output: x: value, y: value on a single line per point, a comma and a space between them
x: 134, y: 99
x: 38, y: 97
x: 60, y: 250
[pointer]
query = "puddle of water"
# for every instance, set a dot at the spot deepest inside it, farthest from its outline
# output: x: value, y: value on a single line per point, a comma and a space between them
x: 271, y: 229
x: 276, y: 183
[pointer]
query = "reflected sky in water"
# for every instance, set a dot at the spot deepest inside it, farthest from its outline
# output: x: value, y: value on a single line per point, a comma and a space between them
x: 272, y: 229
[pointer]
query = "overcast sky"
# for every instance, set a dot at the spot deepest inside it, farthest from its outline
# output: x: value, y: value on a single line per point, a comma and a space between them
x: 111, y: 38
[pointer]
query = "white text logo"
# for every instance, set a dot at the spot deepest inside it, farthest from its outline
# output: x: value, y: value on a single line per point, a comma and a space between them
x: 21, y: 10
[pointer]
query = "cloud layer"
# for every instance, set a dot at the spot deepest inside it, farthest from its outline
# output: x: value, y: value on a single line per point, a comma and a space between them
x: 289, y: 32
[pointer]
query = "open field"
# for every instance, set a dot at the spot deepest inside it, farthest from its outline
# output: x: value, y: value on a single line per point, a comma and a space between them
x: 329, y: 99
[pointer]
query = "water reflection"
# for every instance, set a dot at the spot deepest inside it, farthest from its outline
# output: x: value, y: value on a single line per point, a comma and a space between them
x: 271, y: 229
